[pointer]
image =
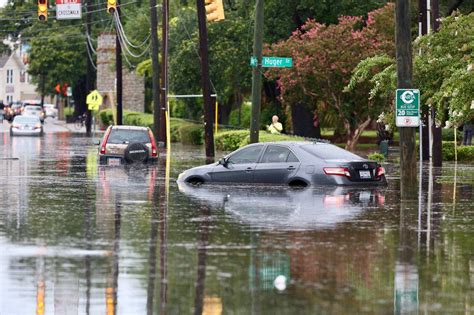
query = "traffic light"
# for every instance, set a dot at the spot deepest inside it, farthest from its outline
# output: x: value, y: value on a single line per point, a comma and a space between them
x: 111, y: 6
x: 214, y: 10
x: 43, y: 10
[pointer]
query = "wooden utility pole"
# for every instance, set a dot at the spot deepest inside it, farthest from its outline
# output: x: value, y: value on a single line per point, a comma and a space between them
x: 206, y: 82
x: 164, y: 72
x: 118, y: 66
x: 156, y: 67
x: 89, y: 67
x: 408, y: 172
x: 437, y: 153
x: 257, y: 72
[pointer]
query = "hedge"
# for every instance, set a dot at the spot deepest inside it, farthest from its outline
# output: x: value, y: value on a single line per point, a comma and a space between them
x: 232, y: 140
x: 191, y: 134
x: 145, y: 120
x: 465, y: 153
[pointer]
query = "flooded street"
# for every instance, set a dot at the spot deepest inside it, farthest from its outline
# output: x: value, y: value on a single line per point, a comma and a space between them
x: 76, y: 238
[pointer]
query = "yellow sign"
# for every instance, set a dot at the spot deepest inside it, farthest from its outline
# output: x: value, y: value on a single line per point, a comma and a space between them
x: 94, y: 100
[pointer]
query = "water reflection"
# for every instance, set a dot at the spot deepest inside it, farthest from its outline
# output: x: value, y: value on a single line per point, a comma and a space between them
x: 279, y: 207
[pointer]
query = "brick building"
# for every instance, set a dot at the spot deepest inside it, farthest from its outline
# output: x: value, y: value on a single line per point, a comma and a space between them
x: 133, y: 85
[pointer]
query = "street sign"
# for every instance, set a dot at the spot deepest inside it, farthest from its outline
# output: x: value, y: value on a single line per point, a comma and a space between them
x: 273, y: 62
x: 68, y: 9
x: 407, y: 103
x: 94, y: 100
x: 69, y: 91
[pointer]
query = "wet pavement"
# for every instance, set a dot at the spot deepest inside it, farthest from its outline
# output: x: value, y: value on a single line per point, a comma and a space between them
x: 82, y: 239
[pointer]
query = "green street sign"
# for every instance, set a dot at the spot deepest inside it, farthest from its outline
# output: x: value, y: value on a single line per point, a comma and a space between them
x: 273, y: 62
x: 407, y: 103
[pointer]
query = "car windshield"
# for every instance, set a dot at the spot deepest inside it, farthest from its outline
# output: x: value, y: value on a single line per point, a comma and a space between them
x: 329, y: 152
x: 32, y: 109
x: 25, y: 120
x: 120, y: 136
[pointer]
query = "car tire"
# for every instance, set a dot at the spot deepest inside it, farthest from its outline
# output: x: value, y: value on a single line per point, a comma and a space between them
x: 136, y: 152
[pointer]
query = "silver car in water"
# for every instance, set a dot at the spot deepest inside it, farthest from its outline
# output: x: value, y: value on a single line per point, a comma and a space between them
x: 289, y: 163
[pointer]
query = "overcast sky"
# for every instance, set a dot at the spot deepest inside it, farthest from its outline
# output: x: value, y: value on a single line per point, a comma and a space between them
x: 2, y: 2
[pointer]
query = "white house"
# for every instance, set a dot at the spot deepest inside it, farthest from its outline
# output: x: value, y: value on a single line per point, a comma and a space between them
x: 15, y: 83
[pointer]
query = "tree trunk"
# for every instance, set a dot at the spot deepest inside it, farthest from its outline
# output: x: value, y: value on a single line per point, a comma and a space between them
x: 302, y: 119
x: 353, y: 135
x: 79, y: 95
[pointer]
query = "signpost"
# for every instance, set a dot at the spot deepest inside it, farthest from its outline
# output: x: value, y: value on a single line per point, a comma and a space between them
x: 273, y: 62
x: 68, y: 9
x: 407, y: 103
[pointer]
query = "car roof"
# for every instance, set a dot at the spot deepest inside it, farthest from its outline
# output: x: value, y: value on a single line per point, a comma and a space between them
x: 293, y: 143
x: 127, y: 127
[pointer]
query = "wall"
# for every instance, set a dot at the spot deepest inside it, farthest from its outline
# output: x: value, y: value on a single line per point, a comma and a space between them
x: 133, y: 85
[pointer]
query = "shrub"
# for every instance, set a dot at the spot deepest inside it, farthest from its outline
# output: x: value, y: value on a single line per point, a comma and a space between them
x: 465, y: 153
x: 448, y: 151
x: 245, y: 115
x: 191, y: 134
x: 448, y: 134
x: 230, y: 140
x: 106, y: 117
x: 376, y: 156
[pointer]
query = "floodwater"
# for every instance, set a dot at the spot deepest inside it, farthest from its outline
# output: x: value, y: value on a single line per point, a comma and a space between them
x: 79, y: 239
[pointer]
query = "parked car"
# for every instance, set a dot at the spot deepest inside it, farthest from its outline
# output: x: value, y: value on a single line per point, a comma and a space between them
x: 50, y: 110
x: 26, y: 126
x: 12, y: 110
x: 34, y: 110
x: 289, y: 163
x: 127, y: 145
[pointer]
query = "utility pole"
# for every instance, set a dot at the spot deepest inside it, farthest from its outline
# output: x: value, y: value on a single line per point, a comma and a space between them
x: 206, y: 82
x: 164, y: 72
x: 422, y: 30
x: 408, y: 172
x: 89, y: 68
x: 118, y: 66
x: 256, y: 72
x: 437, y: 149
x: 156, y: 67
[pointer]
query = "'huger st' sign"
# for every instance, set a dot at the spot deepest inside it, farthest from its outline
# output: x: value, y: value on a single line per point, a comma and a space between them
x: 68, y: 9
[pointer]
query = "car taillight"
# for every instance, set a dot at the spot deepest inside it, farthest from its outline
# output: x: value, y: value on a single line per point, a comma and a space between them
x: 340, y: 171
x: 104, y: 142
x: 380, y: 171
x: 154, y: 151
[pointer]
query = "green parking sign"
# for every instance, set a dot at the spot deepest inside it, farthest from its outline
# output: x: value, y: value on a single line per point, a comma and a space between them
x: 407, y: 103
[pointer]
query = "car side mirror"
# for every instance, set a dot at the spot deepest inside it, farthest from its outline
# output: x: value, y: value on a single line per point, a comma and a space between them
x: 223, y: 162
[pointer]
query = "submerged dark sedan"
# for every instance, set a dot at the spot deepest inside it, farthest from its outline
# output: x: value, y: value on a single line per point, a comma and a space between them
x: 289, y: 163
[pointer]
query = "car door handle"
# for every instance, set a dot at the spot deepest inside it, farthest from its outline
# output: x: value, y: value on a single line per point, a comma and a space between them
x: 291, y: 168
x: 248, y: 170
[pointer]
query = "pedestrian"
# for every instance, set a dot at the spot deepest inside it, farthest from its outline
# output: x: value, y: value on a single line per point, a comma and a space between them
x: 468, y: 130
x: 275, y: 127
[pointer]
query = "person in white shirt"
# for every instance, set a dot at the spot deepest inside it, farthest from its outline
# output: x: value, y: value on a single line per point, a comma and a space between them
x: 275, y: 127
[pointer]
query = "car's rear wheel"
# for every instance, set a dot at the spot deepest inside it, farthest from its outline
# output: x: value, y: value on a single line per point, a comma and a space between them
x: 136, y: 153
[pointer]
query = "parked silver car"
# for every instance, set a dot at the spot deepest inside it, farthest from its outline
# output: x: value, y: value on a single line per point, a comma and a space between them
x: 289, y: 163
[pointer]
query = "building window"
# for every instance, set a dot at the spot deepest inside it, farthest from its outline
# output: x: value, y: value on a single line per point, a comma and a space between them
x: 9, y: 99
x: 22, y: 76
x: 9, y: 76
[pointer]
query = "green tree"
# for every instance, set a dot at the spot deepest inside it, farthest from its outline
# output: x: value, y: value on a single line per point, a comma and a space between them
x: 324, y: 57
